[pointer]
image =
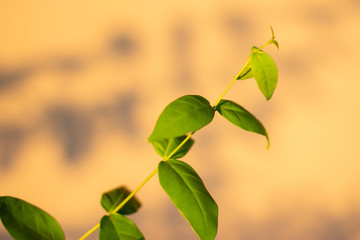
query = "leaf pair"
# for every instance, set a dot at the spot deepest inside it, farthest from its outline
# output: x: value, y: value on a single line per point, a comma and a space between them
x: 182, y: 184
x: 175, y: 113
x: 166, y: 147
x: 263, y: 68
x: 116, y: 226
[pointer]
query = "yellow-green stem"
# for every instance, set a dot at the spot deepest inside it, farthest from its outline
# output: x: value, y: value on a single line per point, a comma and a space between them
x: 139, y: 187
x: 226, y: 90
x: 153, y: 172
x: 90, y: 232
x: 232, y: 82
x: 178, y: 147
x: 156, y: 170
x: 170, y: 155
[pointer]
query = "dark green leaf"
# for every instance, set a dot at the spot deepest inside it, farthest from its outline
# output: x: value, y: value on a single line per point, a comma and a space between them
x: 189, y: 194
x: 240, y: 117
x: 119, y: 227
x: 246, y: 72
x: 25, y: 221
x: 166, y: 146
x: 110, y: 200
x: 276, y: 44
x: 184, y: 115
x: 265, y: 72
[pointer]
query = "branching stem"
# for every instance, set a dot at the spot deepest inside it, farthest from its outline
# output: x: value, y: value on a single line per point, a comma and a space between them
x: 171, y: 154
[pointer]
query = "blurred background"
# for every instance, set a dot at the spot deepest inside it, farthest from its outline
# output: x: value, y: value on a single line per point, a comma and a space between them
x: 82, y: 84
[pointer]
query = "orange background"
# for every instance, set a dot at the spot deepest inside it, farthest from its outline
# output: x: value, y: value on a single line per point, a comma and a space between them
x: 83, y: 82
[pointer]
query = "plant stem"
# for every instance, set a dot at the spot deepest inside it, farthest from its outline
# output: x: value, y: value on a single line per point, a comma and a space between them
x: 153, y: 172
x: 178, y: 147
x: 167, y: 157
x: 226, y: 90
x: 139, y: 187
x: 90, y: 232
x: 133, y: 193
x: 232, y: 82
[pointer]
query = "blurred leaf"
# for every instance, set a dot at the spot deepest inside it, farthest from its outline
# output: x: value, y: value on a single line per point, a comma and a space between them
x: 119, y: 227
x: 166, y: 146
x: 276, y: 44
x: 240, y: 117
x: 111, y: 199
x: 265, y: 72
x: 186, y: 114
x: 25, y: 221
x: 189, y: 194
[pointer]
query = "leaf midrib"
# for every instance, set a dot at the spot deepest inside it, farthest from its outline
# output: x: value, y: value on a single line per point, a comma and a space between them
x: 263, y: 70
x: 120, y: 232
x: 197, y: 200
x: 26, y: 226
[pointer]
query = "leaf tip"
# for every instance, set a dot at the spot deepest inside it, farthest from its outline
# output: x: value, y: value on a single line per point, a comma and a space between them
x: 272, y: 32
x: 276, y: 44
x: 150, y: 139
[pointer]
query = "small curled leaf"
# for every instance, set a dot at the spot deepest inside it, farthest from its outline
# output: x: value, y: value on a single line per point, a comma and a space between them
x: 165, y: 147
x: 111, y: 199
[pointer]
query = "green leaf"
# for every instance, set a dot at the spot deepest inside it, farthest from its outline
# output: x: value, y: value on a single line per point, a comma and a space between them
x: 265, y: 72
x: 25, y: 221
x: 189, y: 194
x: 119, y: 227
x: 246, y: 72
x: 240, y: 117
x: 166, y: 146
x: 111, y: 199
x: 276, y: 44
x: 186, y: 114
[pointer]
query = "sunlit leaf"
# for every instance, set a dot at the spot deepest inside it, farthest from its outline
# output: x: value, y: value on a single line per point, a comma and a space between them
x: 184, y: 115
x: 165, y: 147
x: 111, y: 199
x: 119, y: 227
x: 265, y: 72
x: 189, y: 194
x: 25, y: 221
x: 240, y: 117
